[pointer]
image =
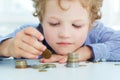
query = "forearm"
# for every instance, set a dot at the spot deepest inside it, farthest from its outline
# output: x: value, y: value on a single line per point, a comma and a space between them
x: 85, y: 53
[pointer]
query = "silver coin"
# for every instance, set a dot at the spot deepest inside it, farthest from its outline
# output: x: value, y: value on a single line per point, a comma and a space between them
x: 38, y: 66
x: 50, y: 65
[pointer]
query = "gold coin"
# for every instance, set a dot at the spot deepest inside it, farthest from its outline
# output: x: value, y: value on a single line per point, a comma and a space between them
x: 73, y: 60
x: 73, y: 56
x: 43, y: 70
x: 47, y: 54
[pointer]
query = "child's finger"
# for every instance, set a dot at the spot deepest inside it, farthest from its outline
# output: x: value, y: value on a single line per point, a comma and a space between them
x: 43, y: 60
x: 54, y: 58
x: 34, y: 32
x: 25, y: 54
x: 63, y: 60
x: 33, y: 43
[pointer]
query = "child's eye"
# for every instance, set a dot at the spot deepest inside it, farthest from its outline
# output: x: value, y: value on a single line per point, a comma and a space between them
x: 54, y: 24
x: 77, y: 26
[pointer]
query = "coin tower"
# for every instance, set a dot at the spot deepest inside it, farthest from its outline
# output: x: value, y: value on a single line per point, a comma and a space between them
x: 73, y: 60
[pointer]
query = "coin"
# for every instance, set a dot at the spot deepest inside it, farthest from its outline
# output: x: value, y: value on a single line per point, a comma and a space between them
x: 50, y: 65
x: 21, y: 64
x: 43, y: 70
x: 73, y: 60
x: 117, y: 64
x: 82, y: 65
x: 38, y: 66
x: 47, y: 54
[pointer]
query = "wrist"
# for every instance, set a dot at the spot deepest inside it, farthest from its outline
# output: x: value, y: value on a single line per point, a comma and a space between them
x: 4, y: 48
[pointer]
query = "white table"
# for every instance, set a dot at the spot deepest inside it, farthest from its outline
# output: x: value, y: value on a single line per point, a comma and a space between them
x: 93, y: 71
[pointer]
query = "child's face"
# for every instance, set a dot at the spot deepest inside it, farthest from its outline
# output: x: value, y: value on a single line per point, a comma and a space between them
x: 65, y: 30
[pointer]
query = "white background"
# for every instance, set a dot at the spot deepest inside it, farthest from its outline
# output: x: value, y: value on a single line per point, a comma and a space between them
x: 14, y: 13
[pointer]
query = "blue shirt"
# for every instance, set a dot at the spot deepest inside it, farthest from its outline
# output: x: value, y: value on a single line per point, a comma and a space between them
x: 104, y: 41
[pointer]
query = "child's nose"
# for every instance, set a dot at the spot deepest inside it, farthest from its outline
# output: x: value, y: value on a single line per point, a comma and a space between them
x: 64, y: 32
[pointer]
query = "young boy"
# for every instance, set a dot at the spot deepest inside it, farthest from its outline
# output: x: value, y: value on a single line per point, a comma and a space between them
x: 66, y: 26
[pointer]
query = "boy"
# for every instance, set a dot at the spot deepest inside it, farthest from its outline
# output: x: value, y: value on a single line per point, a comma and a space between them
x: 66, y: 26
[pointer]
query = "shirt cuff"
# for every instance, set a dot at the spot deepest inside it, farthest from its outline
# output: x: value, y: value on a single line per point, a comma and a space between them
x: 5, y: 38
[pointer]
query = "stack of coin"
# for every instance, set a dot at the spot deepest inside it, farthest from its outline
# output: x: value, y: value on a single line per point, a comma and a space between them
x: 73, y: 60
x: 47, y: 54
x: 21, y: 64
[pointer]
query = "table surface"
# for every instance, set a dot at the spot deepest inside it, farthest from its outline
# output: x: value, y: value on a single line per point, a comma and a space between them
x: 93, y: 71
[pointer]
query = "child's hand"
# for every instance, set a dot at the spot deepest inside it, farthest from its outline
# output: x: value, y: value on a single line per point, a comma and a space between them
x: 85, y: 53
x: 55, y: 58
x: 26, y: 44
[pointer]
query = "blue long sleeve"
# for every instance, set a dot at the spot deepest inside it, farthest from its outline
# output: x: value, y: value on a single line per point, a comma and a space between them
x: 105, y: 42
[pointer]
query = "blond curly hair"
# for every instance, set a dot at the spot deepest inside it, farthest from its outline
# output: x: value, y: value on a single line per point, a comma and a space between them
x: 92, y: 6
